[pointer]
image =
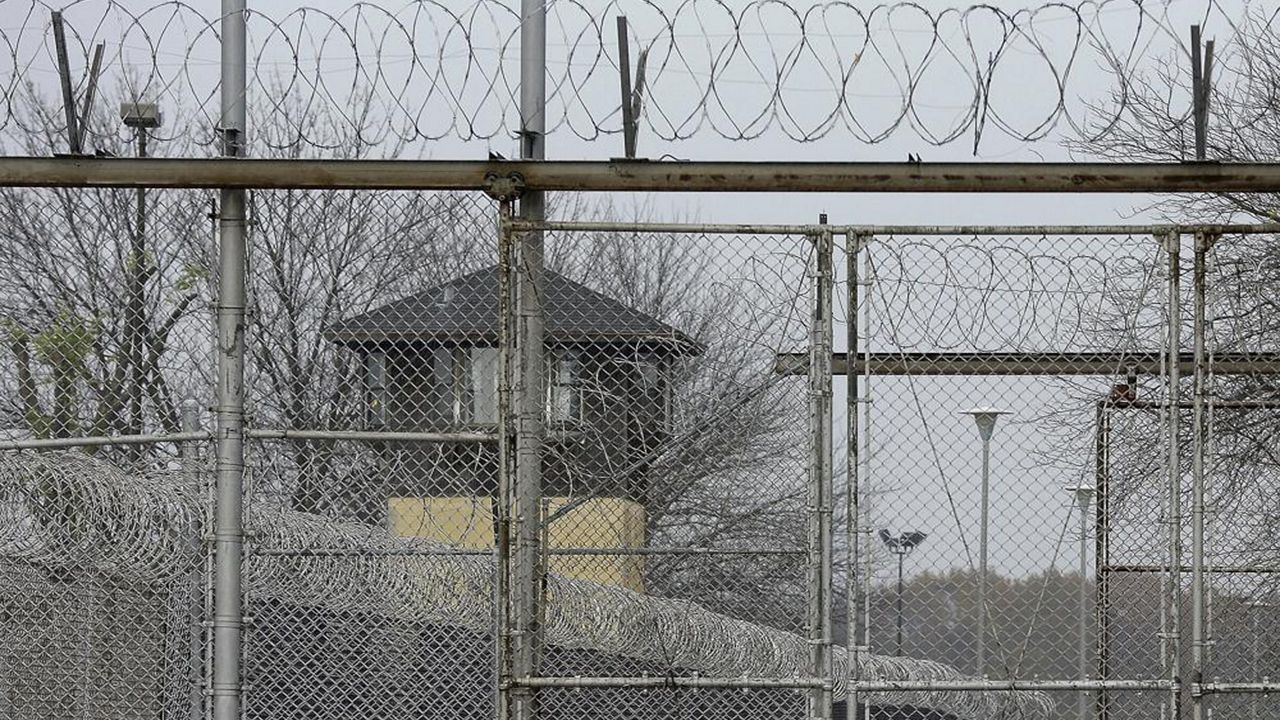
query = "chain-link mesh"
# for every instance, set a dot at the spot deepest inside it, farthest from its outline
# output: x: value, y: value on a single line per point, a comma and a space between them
x: 990, y: 367
x: 691, y: 544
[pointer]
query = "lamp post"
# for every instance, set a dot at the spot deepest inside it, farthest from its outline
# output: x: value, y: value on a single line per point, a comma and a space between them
x: 902, y: 545
x: 1084, y: 498
x: 985, y: 418
x: 142, y: 117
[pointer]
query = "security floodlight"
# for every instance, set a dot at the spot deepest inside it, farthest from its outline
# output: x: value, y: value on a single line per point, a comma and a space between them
x: 902, y: 545
x: 141, y: 115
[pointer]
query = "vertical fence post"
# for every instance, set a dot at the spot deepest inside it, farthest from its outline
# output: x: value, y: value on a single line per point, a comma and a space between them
x: 868, y: 280
x: 506, y: 466
x: 1102, y: 551
x: 229, y: 518
x: 526, y: 584
x: 821, y: 486
x: 1198, y: 639
x: 1173, y: 241
x: 853, y: 499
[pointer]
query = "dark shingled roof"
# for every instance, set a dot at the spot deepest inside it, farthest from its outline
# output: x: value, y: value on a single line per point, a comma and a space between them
x: 467, y: 309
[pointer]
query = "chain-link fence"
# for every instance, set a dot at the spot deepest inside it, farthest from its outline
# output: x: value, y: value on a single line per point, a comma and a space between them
x: 562, y: 469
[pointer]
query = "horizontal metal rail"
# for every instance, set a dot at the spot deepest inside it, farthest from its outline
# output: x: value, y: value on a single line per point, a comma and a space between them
x: 668, y: 682
x: 980, y: 685
x: 1226, y: 570
x: 369, y: 552
x: 1223, y: 688
x: 671, y: 551
x: 102, y: 440
x: 549, y: 551
x: 371, y: 436
x: 1032, y: 363
x: 522, y: 225
x: 640, y: 175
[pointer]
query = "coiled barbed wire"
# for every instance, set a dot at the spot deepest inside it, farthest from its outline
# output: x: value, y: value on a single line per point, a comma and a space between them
x: 111, y: 520
x: 1015, y: 294
x: 424, y: 70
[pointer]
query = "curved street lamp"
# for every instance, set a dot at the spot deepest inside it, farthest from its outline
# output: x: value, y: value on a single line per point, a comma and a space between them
x: 985, y: 418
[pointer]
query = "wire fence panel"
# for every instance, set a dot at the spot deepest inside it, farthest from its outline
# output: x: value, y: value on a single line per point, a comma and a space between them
x: 675, y: 466
x: 372, y: 462
x: 992, y: 367
x: 1240, y: 570
x: 106, y: 313
x: 599, y: 468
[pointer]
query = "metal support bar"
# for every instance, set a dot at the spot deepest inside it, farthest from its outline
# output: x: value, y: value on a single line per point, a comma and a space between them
x: 641, y: 551
x: 979, y: 685
x: 1102, y: 553
x: 821, y: 489
x: 1227, y: 570
x: 745, y: 683
x: 853, y: 500
x: 1199, y: 431
x: 103, y: 440
x: 526, y: 586
x: 371, y: 436
x: 229, y: 409
x: 1106, y: 363
x: 642, y: 176
x: 90, y: 92
x: 628, y: 102
x: 1034, y: 232
x: 369, y: 552
x: 64, y: 75
x: 502, y: 604
x: 1173, y: 656
x: 1235, y: 687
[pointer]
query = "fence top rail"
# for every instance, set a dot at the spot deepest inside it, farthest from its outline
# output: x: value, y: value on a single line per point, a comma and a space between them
x: 639, y: 175
x: 867, y: 231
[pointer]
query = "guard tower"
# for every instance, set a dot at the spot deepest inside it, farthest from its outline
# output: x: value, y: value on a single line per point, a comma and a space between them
x: 430, y: 363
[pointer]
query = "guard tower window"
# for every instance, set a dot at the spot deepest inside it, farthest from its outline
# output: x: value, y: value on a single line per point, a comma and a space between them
x: 564, y: 396
x: 375, y: 380
x: 465, y: 381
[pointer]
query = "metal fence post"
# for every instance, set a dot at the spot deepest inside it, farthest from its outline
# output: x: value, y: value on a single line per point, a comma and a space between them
x: 229, y: 519
x: 853, y: 500
x: 1102, y: 551
x: 1198, y: 640
x: 506, y: 465
x: 820, y: 475
x: 1173, y: 637
x: 526, y: 585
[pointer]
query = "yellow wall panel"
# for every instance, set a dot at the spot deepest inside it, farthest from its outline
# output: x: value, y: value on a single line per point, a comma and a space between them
x: 597, y: 523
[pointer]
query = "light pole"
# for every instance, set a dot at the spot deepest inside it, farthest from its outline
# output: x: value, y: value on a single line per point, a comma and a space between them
x: 142, y: 117
x: 902, y: 545
x: 985, y: 418
x: 1084, y: 498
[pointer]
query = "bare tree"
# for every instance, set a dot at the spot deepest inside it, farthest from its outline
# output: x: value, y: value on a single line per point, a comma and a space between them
x: 101, y: 339
x: 1244, y: 277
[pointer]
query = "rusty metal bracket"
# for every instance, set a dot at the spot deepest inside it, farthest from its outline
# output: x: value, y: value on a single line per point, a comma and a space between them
x: 504, y: 188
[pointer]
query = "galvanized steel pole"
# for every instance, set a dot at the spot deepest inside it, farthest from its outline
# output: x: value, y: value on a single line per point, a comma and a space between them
x: 1198, y: 428
x: 853, y: 505
x: 1173, y: 643
x: 229, y: 519
x: 820, y: 479
x: 982, y: 556
x: 526, y: 585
